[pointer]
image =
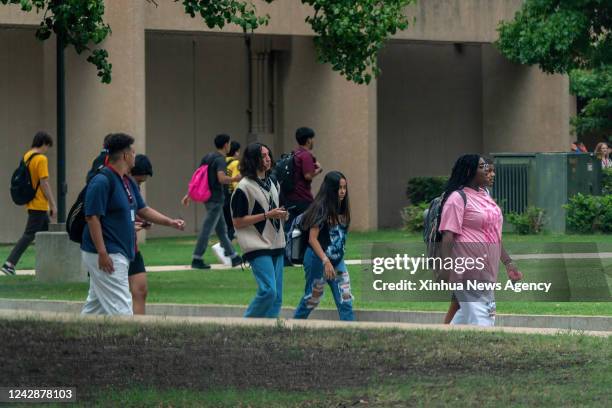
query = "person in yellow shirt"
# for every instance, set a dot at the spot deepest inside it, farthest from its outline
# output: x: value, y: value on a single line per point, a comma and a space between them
x: 43, y: 203
x: 232, y: 159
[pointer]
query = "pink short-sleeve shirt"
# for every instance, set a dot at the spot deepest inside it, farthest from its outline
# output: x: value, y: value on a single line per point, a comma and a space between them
x: 479, y: 220
x: 478, y: 226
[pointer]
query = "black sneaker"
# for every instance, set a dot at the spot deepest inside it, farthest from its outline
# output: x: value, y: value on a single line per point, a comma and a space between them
x: 199, y: 264
x: 9, y: 270
x: 237, y: 260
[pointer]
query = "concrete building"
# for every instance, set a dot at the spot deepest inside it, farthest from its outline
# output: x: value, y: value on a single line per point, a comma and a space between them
x: 444, y: 91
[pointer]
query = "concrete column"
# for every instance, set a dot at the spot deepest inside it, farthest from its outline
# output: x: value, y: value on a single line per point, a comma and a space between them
x: 343, y: 116
x: 524, y: 109
x: 95, y: 109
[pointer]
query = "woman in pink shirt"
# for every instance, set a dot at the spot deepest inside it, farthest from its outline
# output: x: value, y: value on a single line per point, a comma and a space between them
x: 471, y: 227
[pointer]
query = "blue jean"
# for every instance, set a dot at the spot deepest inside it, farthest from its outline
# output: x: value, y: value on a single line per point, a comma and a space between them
x: 214, y: 220
x: 315, y: 286
x: 268, y: 272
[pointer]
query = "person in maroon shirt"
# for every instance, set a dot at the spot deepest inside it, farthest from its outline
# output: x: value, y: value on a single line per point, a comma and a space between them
x: 306, y: 168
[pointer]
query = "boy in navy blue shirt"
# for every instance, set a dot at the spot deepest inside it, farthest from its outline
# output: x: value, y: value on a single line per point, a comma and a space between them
x: 112, y: 202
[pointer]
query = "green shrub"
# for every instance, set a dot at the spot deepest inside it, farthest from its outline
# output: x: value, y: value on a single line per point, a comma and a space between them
x: 587, y: 213
x: 606, y: 181
x: 530, y: 222
x: 412, y: 216
x: 425, y: 189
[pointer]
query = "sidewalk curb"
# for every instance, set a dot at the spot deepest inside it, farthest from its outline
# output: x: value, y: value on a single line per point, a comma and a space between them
x: 580, y: 323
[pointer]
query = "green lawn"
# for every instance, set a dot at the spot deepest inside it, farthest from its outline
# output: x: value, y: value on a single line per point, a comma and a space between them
x: 133, y: 365
x: 237, y: 287
x: 178, y: 251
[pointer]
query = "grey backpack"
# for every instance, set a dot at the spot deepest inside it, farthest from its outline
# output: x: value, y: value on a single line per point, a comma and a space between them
x: 431, y: 232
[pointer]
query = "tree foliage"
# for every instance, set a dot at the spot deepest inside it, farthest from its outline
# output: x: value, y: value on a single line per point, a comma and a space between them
x: 349, y: 33
x: 79, y: 23
x: 569, y: 37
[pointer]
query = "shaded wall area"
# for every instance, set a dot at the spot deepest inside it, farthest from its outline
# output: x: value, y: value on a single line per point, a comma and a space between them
x: 437, y: 101
x: 429, y: 112
x: 196, y: 88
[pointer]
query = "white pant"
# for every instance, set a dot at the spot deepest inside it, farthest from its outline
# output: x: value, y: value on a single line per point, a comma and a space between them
x: 477, y: 310
x: 108, y: 293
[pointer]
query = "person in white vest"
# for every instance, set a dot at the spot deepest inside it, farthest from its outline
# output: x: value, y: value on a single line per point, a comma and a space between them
x: 258, y: 221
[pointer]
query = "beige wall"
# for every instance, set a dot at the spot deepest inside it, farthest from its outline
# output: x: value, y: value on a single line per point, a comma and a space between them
x: 436, y: 20
x: 458, y: 20
x: 94, y: 109
x: 21, y: 115
x: 174, y: 91
x: 343, y: 116
x: 524, y: 110
x: 430, y: 112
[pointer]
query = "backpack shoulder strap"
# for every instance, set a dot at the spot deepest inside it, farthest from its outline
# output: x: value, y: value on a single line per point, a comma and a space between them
x: 27, y: 163
x: 462, y: 194
x: 109, y: 175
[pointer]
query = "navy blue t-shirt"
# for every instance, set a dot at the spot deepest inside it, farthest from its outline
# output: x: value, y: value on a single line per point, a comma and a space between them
x: 117, y: 213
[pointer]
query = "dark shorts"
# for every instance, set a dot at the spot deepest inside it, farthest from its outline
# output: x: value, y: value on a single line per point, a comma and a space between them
x: 137, y: 265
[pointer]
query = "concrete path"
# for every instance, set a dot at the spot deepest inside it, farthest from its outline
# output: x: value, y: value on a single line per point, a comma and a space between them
x: 289, y: 324
x: 169, y: 268
x: 553, y: 322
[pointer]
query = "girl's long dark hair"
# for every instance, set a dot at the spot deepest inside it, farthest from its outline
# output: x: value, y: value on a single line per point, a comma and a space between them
x: 463, y: 173
x: 326, y: 206
x: 251, y: 160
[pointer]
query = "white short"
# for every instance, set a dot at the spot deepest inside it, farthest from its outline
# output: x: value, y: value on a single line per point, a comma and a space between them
x: 479, y: 312
x: 109, y: 294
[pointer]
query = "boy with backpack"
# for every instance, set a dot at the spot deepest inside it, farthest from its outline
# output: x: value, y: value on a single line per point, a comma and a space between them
x: 111, y: 204
x: 30, y: 187
x: 305, y: 169
x: 213, y: 200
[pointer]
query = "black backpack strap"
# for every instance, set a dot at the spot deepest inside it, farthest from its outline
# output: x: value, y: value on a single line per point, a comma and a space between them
x: 462, y: 194
x: 27, y: 164
x: 109, y: 175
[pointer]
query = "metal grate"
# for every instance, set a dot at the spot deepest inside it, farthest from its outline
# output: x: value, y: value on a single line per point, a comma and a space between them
x: 511, y: 186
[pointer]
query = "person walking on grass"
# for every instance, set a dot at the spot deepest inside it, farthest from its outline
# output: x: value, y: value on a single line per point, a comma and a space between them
x: 112, y: 202
x: 327, y: 221
x: 137, y: 277
x: 471, y: 227
x: 258, y: 220
x: 214, y: 219
x: 43, y: 204
x: 306, y: 168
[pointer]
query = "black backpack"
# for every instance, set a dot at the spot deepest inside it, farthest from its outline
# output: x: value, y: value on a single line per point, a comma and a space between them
x: 283, y: 173
x: 75, y: 222
x: 22, y: 190
x: 296, y: 241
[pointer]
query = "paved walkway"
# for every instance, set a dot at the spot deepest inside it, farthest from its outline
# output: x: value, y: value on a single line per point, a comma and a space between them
x: 287, y: 323
x: 168, y: 268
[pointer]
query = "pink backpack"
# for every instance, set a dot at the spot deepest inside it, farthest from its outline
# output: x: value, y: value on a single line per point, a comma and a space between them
x: 199, y: 190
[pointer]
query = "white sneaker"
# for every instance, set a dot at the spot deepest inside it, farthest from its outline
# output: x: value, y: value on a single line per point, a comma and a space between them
x: 220, y: 253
